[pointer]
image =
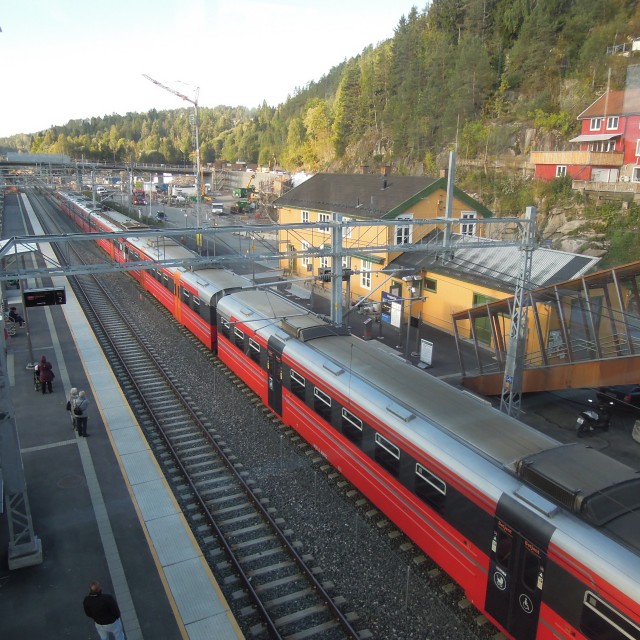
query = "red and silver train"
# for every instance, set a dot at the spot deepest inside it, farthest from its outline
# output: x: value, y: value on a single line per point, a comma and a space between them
x: 543, y: 537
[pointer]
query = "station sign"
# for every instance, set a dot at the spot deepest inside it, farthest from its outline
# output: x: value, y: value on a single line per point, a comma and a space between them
x: 44, y: 296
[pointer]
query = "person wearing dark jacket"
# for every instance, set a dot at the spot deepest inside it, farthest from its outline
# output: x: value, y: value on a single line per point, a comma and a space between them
x: 45, y: 371
x: 103, y: 609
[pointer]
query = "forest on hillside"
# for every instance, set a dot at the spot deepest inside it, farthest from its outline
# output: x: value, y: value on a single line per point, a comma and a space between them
x: 473, y: 71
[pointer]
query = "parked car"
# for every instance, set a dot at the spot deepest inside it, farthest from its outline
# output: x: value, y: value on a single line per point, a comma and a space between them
x: 625, y: 397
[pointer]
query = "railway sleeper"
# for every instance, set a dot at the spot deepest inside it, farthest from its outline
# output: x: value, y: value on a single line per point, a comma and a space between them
x: 254, y: 541
x: 298, y: 616
x: 288, y: 598
x: 216, y: 502
x: 260, y: 556
x: 249, y: 530
x: 212, y: 488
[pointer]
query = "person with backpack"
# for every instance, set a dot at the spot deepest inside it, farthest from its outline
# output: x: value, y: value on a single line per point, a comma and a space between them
x: 80, y: 409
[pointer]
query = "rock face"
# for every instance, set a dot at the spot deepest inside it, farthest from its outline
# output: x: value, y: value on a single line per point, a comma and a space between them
x: 568, y: 230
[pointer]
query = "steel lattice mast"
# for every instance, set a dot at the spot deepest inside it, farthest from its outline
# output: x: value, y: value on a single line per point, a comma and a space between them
x: 514, y: 366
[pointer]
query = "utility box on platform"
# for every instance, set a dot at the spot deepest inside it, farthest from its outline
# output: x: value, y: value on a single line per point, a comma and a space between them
x: 44, y: 296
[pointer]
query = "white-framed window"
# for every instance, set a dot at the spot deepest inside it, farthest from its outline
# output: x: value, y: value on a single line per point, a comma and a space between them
x: 306, y: 259
x: 638, y: 147
x: 612, y: 122
x: 254, y: 350
x: 595, y: 124
x: 298, y: 384
x: 404, y: 232
x: 346, y: 262
x: 346, y: 231
x: 365, y: 274
x: 323, y: 217
x: 636, y: 174
x: 603, y: 145
x: 325, y: 262
x: 600, y: 618
x: 322, y: 404
x: 304, y: 216
x: 561, y: 171
x: 468, y: 228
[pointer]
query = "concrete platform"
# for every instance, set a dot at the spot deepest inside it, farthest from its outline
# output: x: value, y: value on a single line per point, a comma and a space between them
x: 100, y: 505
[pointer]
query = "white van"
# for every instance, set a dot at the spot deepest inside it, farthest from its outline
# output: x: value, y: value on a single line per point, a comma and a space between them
x: 217, y: 208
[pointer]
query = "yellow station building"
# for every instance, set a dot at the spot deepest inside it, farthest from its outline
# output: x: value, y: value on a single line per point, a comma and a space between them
x: 431, y: 288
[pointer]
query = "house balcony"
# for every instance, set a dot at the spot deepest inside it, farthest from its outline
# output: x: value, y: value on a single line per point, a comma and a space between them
x: 590, y: 158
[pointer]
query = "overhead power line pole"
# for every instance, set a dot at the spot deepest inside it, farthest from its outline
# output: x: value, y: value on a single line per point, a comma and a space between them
x: 514, y: 365
x: 196, y: 124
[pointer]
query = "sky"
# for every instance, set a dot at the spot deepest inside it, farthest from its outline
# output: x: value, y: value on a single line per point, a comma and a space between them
x: 72, y: 59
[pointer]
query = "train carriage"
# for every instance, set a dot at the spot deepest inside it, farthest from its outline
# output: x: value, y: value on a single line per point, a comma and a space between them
x: 456, y: 475
x: 543, y: 537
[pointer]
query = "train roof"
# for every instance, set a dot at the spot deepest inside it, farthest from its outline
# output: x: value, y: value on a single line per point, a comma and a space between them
x: 264, y: 309
x: 491, y: 432
x: 602, y: 490
x: 209, y: 282
x: 598, y: 489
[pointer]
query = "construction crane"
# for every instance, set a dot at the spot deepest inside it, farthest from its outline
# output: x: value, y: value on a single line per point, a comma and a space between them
x: 194, y: 102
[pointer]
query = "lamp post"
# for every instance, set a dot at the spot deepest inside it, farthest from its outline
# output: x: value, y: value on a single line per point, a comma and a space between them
x: 194, y: 102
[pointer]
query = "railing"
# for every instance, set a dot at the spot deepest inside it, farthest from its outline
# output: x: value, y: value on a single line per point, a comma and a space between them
x: 577, y: 157
x: 611, y: 346
x: 614, y: 187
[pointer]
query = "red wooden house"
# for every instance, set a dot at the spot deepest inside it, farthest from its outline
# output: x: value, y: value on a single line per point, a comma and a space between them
x: 609, y: 143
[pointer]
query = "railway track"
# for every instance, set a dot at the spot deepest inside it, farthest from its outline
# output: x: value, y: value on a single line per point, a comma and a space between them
x: 276, y: 590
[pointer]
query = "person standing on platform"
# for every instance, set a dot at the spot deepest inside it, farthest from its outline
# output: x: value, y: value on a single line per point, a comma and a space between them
x: 71, y: 403
x: 45, y: 371
x: 103, y: 609
x: 80, y: 409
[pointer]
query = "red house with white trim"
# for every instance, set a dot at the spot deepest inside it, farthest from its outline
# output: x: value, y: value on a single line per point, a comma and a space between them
x: 609, y: 143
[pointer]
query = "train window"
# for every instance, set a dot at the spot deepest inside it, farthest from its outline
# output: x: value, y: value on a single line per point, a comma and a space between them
x: 196, y: 304
x: 254, y: 350
x: 225, y: 327
x: 430, y: 488
x: 238, y: 338
x: 351, y: 426
x: 504, y: 548
x: 322, y: 404
x: 387, y: 454
x: 530, y: 570
x: 599, y: 620
x: 298, y: 384
x: 186, y: 296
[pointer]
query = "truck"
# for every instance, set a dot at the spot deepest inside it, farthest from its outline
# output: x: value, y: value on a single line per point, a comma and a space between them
x: 139, y: 197
x: 241, y: 206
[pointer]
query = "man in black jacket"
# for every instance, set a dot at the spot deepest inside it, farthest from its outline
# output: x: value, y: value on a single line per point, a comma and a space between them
x: 104, y: 611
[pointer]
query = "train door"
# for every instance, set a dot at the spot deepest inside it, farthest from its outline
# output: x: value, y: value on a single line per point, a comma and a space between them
x: 275, y: 348
x: 516, y: 569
